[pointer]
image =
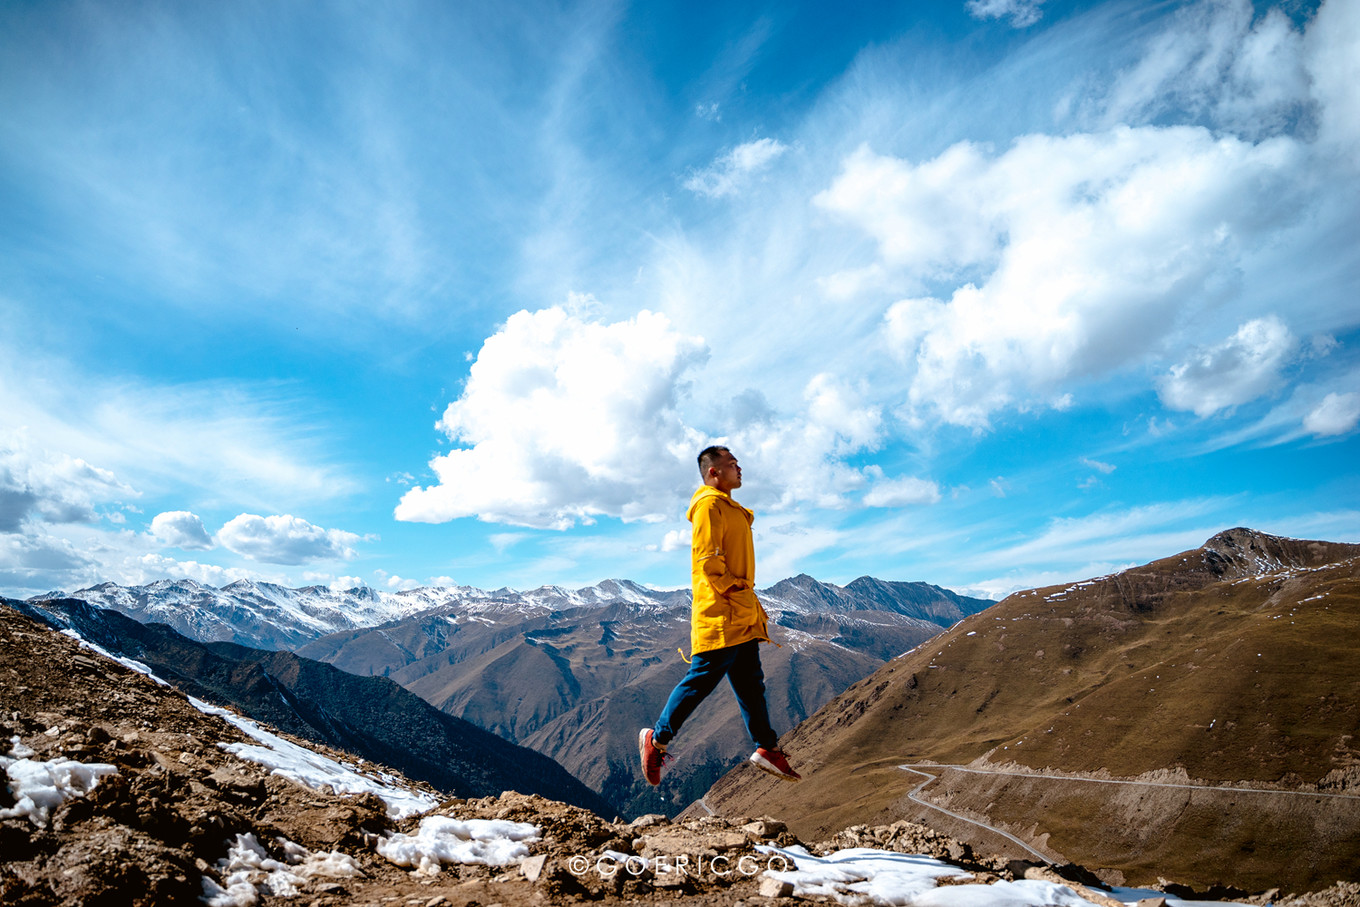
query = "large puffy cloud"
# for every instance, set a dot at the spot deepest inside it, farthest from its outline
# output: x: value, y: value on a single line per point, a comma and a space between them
x: 1245, y: 366
x: 1072, y: 256
x: 1028, y: 272
x: 181, y: 529
x: 285, y: 540
x: 43, y: 486
x: 563, y: 420
x: 32, y: 560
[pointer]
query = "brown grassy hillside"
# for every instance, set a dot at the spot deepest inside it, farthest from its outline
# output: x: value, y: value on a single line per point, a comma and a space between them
x: 1235, y: 663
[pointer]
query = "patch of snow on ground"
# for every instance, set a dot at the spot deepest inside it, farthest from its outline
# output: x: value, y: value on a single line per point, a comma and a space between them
x: 40, y: 787
x: 860, y: 874
x: 314, y: 770
x: 249, y: 871
x: 863, y: 876
x: 441, y: 839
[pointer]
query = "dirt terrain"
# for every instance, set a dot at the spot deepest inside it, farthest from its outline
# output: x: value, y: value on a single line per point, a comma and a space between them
x: 159, y: 829
x: 165, y: 821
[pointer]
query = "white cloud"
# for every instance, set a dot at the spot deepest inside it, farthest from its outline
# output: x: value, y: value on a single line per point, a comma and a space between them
x: 711, y: 111
x: 1337, y: 414
x: 1219, y: 63
x: 151, y: 567
x: 253, y: 444
x: 43, y: 486
x: 789, y: 459
x: 285, y: 540
x: 563, y: 420
x: 675, y: 540
x: 181, y: 529
x: 1323, y: 405
x: 396, y: 583
x: 784, y: 548
x: 730, y: 171
x: 1022, y: 13
x: 1137, y: 535
x: 1097, y: 465
x: 1072, y: 256
x: 504, y: 541
x: 1242, y: 368
x: 37, y: 562
x: 1333, y: 61
x: 901, y: 492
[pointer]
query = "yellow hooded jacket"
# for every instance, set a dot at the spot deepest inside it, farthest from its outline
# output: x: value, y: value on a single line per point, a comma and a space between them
x: 722, y: 554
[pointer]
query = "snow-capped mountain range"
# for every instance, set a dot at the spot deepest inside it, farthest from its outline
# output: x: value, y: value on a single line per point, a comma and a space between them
x: 270, y: 616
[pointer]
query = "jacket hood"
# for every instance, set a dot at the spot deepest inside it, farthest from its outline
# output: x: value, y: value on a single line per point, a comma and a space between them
x: 705, y: 492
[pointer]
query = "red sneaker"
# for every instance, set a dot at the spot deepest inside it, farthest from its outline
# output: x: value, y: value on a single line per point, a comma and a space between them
x: 653, y: 757
x: 774, y: 762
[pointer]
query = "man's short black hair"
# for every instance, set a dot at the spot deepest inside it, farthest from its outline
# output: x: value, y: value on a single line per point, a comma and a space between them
x: 708, y: 456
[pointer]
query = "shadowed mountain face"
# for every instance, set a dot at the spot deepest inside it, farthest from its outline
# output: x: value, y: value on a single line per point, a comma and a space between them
x: 1235, y: 664
x: 371, y: 717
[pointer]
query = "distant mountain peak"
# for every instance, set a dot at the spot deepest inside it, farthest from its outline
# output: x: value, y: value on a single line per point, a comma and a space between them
x: 1249, y: 552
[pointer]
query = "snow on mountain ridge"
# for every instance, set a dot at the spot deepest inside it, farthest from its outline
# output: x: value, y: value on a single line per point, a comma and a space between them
x: 268, y: 615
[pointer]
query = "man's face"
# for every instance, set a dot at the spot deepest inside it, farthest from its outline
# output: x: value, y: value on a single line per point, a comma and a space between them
x: 726, y: 472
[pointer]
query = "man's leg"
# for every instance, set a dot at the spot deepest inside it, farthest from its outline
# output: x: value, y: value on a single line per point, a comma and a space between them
x: 705, y: 671
x: 748, y: 682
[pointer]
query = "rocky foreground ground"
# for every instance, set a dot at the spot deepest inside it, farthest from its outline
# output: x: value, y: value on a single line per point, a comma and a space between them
x: 174, y: 818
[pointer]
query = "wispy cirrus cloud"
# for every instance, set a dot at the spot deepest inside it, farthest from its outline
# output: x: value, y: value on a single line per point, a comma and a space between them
x: 244, y: 442
x: 1022, y: 13
x: 734, y: 168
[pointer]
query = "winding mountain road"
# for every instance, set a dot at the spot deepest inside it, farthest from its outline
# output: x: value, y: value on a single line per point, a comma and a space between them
x: 1235, y: 790
x: 912, y: 795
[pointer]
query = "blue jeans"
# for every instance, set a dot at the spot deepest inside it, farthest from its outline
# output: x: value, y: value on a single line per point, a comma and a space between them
x: 741, y: 666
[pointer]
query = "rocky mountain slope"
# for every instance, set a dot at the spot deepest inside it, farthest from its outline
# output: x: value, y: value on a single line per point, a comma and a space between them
x: 370, y: 716
x: 570, y: 673
x: 120, y: 790
x: 1093, y: 720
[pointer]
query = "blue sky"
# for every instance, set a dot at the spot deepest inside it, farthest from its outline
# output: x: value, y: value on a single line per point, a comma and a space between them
x: 989, y: 294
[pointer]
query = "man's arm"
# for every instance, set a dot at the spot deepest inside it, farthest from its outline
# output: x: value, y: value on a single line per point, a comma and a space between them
x: 707, y: 544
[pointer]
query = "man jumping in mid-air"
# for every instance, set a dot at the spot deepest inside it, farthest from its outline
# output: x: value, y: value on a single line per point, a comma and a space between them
x: 727, y: 622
